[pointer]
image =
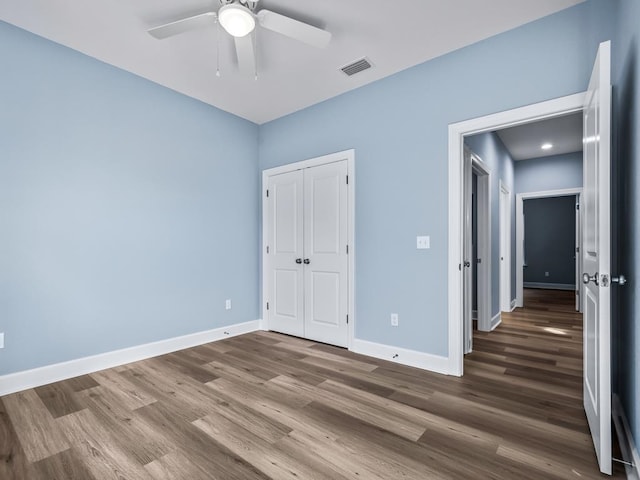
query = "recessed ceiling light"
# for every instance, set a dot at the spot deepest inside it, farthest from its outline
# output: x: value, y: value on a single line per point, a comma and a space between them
x: 546, y: 146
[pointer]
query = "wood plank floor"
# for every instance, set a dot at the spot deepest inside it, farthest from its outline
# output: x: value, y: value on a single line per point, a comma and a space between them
x: 265, y: 405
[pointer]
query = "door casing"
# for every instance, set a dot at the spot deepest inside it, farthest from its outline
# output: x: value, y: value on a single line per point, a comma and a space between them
x: 349, y: 156
x: 520, y: 197
x: 505, y: 248
x: 457, y: 131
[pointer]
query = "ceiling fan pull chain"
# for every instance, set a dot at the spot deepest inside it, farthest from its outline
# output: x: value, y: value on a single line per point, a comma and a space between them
x: 217, y: 48
x: 255, y: 56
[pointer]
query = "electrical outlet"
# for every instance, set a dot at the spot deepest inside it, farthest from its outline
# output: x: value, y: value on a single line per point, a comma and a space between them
x: 546, y: 274
x: 394, y: 319
x: 1, y: 340
x: 227, y: 304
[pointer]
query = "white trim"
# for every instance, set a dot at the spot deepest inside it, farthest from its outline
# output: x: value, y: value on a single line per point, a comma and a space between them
x: 520, y: 198
x: 457, y: 131
x: 505, y: 246
x: 349, y: 156
x: 625, y: 439
x: 550, y: 286
x: 403, y: 356
x: 513, y: 305
x: 483, y: 200
x: 495, y: 321
x: 15, y: 382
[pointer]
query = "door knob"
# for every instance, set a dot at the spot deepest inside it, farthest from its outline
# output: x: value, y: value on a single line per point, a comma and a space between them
x: 298, y: 260
x: 621, y: 280
x: 586, y: 278
x: 467, y: 264
x: 306, y: 261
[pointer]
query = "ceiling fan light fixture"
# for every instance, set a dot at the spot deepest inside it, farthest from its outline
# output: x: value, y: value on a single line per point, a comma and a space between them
x: 236, y: 19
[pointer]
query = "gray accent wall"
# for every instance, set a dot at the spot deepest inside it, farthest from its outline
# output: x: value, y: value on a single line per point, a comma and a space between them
x: 549, y: 240
x: 626, y: 223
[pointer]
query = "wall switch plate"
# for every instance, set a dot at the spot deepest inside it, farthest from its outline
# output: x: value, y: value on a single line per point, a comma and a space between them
x: 423, y: 242
x: 394, y: 319
x: 1, y: 340
x: 546, y: 274
x: 227, y: 304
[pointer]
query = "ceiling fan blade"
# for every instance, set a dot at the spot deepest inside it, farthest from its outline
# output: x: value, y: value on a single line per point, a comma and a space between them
x: 183, y: 25
x: 316, y: 37
x: 246, y: 54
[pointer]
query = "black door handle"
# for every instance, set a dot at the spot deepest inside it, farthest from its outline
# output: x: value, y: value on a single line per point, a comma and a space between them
x: 298, y: 260
x: 306, y: 261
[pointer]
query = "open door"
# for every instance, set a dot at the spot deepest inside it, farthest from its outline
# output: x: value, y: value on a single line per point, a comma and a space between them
x: 468, y: 255
x: 596, y: 255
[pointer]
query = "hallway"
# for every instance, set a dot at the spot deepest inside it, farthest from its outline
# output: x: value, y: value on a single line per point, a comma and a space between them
x: 531, y: 367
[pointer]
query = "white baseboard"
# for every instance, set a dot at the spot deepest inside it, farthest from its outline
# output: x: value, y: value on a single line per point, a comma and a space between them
x: 412, y: 358
x: 514, y: 304
x: 495, y: 321
x: 15, y: 382
x: 627, y: 446
x: 549, y: 286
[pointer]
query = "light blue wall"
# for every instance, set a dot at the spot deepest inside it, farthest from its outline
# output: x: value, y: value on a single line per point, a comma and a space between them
x: 494, y: 154
x: 626, y: 225
x: 550, y: 240
x: 398, y: 127
x: 549, y: 173
x: 128, y: 212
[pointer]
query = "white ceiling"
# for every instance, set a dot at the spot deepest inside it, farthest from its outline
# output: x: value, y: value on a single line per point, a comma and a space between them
x: 525, y: 141
x: 394, y: 35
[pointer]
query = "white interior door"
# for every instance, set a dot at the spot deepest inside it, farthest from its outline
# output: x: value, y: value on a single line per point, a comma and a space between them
x: 578, y: 256
x: 325, y: 247
x: 505, y: 249
x: 307, y: 260
x: 285, y: 282
x: 468, y: 254
x: 596, y: 256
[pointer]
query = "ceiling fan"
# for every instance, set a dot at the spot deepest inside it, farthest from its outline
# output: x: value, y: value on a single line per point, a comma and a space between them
x: 239, y: 19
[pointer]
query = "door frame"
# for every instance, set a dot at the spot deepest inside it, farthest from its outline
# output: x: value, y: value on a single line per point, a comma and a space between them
x: 457, y: 131
x: 349, y: 156
x: 520, y: 198
x: 504, y: 230
x: 483, y: 225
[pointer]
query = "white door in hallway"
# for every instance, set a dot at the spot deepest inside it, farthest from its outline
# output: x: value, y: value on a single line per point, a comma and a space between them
x: 307, y: 216
x: 596, y: 254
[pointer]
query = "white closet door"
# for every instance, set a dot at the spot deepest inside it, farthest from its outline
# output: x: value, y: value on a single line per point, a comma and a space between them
x: 285, y: 268
x: 325, y: 247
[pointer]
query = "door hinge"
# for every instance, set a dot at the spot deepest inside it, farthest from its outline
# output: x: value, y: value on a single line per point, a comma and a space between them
x: 577, y: 249
x: 347, y: 319
x: 267, y: 193
x: 577, y: 206
x: 347, y: 179
x: 347, y: 249
x: 267, y: 305
x: 267, y: 248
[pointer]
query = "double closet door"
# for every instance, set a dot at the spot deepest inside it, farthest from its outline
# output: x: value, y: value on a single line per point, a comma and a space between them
x: 307, y: 264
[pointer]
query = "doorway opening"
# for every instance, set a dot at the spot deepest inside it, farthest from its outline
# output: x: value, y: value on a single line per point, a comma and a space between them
x: 551, y: 259
x: 459, y: 134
